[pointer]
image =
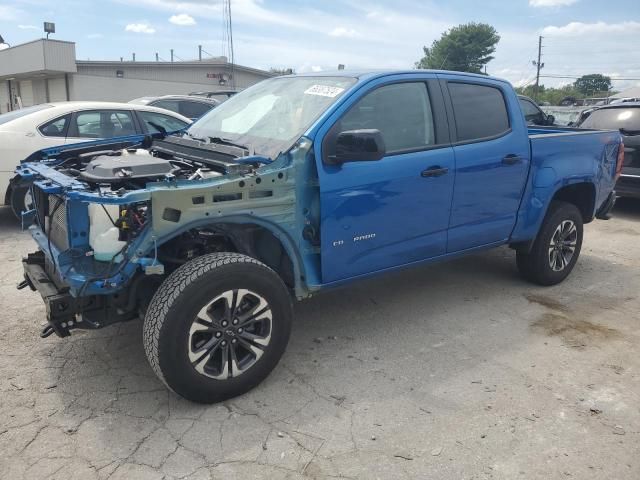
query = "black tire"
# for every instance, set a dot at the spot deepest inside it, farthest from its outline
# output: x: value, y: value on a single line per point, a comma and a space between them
x: 17, y: 200
x: 536, y: 266
x: 171, y: 318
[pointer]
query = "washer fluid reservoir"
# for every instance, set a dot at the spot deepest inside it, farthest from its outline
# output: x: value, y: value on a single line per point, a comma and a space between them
x: 103, y: 235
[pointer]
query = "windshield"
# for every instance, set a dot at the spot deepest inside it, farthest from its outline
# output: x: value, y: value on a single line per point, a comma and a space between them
x: 614, y: 118
x: 8, y: 117
x: 270, y: 116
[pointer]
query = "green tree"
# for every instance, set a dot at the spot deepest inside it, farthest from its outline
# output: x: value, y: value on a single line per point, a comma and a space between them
x: 465, y: 48
x: 550, y: 94
x: 592, y: 83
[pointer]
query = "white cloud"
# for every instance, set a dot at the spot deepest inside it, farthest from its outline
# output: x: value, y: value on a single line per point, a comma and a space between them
x: 551, y: 3
x: 182, y: 19
x: 575, y: 29
x: 28, y: 27
x: 3, y: 46
x: 303, y: 39
x: 140, y: 28
x: 243, y: 11
x: 9, y: 13
x: 343, y: 32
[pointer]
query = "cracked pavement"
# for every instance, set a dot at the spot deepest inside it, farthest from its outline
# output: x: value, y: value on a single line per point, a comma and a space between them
x: 457, y: 370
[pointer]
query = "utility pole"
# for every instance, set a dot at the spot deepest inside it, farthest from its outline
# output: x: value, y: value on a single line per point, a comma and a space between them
x: 157, y: 57
x: 172, y: 55
x: 199, y: 53
x: 227, y: 41
x: 538, y: 66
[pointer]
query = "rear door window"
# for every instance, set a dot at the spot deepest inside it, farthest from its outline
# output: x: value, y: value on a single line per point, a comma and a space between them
x: 88, y: 125
x: 122, y: 123
x: 103, y: 124
x: 480, y: 111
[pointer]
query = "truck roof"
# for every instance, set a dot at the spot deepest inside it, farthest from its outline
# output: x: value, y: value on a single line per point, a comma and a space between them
x: 373, y: 73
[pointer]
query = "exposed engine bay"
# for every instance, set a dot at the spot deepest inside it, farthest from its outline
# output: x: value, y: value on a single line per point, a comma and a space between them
x: 95, y: 202
x: 114, y: 218
x: 173, y: 157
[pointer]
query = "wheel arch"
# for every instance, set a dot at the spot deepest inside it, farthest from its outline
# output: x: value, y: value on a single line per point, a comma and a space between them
x: 260, y: 239
x: 11, y: 184
x: 582, y: 195
x: 7, y: 195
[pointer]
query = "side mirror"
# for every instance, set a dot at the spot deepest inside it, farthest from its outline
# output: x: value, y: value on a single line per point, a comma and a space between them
x: 147, y: 141
x: 357, y: 146
x: 551, y: 119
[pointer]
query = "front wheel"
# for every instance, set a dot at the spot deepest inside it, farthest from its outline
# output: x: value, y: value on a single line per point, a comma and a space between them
x: 556, y: 248
x: 217, y: 326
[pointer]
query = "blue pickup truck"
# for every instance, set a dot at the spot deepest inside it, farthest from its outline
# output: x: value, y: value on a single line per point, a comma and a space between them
x: 298, y: 184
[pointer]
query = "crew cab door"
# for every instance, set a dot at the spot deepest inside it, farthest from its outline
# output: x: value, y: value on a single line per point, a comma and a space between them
x: 492, y: 158
x: 393, y: 211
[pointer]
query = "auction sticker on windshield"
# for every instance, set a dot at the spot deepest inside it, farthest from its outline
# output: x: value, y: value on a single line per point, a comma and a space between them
x: 324, y: 91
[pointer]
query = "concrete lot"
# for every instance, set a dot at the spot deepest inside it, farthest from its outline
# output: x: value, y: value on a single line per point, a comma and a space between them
x: 460, y: 370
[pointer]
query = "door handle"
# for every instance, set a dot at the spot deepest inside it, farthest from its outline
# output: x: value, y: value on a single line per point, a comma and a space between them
x: 435, y: 171
x: 511, y: 159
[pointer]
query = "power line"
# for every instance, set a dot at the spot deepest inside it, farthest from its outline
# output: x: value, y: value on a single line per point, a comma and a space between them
x: 204, y: 51
x: 580, y: 76
x: 528, y: 82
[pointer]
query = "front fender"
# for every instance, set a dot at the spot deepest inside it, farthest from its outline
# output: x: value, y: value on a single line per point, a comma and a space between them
x: 284, y: 236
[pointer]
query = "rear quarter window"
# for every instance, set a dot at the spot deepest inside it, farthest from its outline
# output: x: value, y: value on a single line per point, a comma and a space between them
x: 480, y: 111
x: 194, y: 109
x: 56, y: 128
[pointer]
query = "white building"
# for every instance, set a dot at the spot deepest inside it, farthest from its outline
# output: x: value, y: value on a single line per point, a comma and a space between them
x: 47, y: 71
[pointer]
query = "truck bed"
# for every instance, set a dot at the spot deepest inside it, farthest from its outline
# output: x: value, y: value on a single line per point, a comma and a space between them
x: 564, y: 156
x: 540, y: 131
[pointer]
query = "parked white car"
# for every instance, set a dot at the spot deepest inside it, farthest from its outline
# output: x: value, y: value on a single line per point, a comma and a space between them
x: 25, y: 131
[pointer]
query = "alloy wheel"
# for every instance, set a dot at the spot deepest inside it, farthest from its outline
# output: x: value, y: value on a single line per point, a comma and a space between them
x: 563, y: 245
x: 230, y: 334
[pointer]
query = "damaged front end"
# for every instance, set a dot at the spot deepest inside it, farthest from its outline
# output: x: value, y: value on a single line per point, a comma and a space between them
x: 112, y: 223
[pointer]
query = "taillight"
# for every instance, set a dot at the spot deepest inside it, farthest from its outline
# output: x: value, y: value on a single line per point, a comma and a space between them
x: 620, y: 159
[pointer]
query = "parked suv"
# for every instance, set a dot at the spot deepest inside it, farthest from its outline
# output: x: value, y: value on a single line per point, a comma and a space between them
x: 189, y: 106
x: 626, y: 118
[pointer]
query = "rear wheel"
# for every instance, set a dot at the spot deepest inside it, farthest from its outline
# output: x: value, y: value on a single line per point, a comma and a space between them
x: 217, y: 326
x: 557, y: 247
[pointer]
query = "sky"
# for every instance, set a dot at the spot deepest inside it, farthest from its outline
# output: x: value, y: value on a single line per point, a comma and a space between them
x: 580, y: 36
